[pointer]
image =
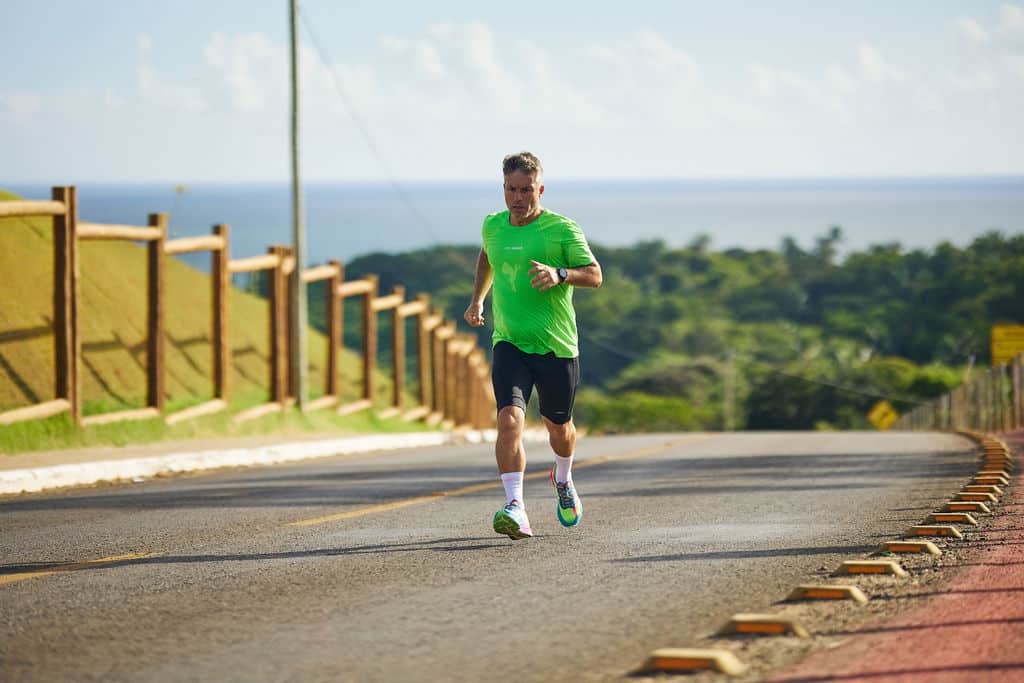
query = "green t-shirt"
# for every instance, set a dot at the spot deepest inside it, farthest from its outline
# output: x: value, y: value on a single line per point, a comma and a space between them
x: 534, y: 321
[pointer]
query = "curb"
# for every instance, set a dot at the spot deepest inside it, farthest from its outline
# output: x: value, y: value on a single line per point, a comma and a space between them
x: 32, y: 480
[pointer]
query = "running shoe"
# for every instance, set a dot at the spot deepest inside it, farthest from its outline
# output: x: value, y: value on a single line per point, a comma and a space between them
x: 512, y: 521
x: 570, y: 507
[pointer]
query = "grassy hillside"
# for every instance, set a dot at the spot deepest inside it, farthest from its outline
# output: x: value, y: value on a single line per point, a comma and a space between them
x: 112, y: 322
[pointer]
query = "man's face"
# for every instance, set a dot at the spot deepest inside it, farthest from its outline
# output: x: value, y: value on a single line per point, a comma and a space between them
x: 522, y: 195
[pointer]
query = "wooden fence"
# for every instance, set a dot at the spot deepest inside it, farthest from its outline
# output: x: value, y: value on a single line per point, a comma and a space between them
x: 454, y: 378
x: 993, y: 401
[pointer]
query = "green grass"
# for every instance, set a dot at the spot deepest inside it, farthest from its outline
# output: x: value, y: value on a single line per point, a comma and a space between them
x: 58, y: 432
x: 112, y: 325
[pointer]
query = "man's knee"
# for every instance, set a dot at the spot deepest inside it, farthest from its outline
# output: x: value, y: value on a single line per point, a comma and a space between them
x: 510, y: 422
x: 560, y: 433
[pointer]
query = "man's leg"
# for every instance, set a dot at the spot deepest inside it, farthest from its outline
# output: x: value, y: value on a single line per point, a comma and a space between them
x: 509, y: 451
x: 562, y: 438
x: 512, y: 387
x: 556, y: 381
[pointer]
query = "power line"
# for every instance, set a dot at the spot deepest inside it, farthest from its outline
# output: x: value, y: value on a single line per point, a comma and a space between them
x: 364, y: 130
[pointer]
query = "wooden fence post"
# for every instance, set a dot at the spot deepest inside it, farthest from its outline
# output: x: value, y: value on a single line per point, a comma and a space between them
x: 289, y: 274
x: 369, y: 339
x: 221, y: 281
x: 450, y: 377
x: 277, y: 293
x: 155, y: 343
x: 437, y: 366
x: 422, y: 351
x: 1018, y: 391
x: 334, y: 319
x: 397, y: 350
x: 67, y: 344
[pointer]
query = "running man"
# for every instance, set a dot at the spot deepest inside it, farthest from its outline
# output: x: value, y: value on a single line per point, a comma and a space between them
x: 534, y: 258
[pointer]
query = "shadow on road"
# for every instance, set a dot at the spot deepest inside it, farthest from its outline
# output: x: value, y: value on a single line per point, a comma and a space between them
x: 351, y: 486
x: 442, y: 545
x: 743, y: 554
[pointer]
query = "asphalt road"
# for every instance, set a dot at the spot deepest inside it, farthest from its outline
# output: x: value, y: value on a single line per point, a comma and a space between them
x: 382, y: 580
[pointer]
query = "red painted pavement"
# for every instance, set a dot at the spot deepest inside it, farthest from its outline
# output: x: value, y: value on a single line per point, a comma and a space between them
x: 972, y: 633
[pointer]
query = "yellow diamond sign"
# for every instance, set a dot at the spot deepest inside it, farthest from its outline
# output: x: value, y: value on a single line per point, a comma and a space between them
x: 882, y: 415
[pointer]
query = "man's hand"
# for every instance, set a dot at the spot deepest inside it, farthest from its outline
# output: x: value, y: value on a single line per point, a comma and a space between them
x: 474, y: 314
x: 544, y: 277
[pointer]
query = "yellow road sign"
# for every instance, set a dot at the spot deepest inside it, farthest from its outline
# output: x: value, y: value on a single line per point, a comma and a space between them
x: 882, y: 415
x: 1007, y: 342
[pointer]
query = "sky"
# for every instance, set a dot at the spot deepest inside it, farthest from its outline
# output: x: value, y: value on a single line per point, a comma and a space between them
x: 197, y: 91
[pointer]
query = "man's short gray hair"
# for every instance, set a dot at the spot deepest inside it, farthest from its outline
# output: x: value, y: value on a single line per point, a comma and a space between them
x: 523, y: 161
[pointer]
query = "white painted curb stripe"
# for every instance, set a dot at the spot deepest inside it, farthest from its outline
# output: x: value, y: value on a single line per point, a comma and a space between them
x: 41, y: 478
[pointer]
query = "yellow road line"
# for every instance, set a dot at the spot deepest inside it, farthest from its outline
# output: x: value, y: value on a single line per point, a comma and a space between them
x: 73, y: 567
x: 473, y: 488
x: 361, y: 512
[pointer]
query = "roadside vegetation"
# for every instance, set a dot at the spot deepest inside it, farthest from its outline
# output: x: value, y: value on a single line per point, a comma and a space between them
x: 793, y: 338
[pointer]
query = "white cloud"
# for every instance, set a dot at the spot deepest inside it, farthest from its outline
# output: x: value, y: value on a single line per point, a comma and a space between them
x: 658, y: 54
x: 770, y: 82
x: 251, y: 68
x: 144, y: 43
x: 1011, y: 19
x: 393, y: 43
x: 155, y: 89
x: 429, y: 61
x: 982, y: 78
x: 972, y: 30
x: 606, y: 54
x: 840, y: 79
x: 1015, y: 64
x: 874, y: 68
x: 20, y: 107
x: 644, y: 80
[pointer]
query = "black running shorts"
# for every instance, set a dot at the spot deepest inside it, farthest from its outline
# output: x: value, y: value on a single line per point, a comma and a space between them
x: 514, y: 373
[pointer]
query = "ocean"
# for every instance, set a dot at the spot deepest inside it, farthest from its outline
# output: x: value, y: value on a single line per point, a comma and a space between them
x: 345, y: 220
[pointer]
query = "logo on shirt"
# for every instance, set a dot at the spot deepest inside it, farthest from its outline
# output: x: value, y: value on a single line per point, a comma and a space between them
x: 519, y: 248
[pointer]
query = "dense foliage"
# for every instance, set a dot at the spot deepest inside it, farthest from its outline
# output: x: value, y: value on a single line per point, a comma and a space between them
x: 794, y: 338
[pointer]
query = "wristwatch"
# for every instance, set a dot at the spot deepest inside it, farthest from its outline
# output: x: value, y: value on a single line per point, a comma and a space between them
x: 563, y: 275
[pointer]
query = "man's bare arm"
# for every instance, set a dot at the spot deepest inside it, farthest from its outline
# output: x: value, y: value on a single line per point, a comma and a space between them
x: 545, y: 277
x: 474, y: 314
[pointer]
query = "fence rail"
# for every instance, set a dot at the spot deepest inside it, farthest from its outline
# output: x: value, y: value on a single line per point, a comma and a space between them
x: 453, y: 377
x: 992, y: 401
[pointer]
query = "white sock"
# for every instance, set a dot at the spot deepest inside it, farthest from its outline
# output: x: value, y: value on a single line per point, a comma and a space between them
x: 563, y: 469
x: 513, y: 483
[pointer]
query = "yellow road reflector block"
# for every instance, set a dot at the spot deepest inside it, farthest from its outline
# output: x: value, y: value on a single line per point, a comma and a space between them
x: 984, y: 488
x: 994, y: 472
x: 672, y: 659
x: 966, y: 506
x: 993, y: 481
x: 952, y: 518
x: 934, y: 530
x: 967, y: 496
x: 921, y: 547
x: 870, y: 567
x: 826, y: 592
x: 763, y: 625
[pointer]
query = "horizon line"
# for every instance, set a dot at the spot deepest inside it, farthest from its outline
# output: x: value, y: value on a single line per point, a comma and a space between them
x: 570, y: 179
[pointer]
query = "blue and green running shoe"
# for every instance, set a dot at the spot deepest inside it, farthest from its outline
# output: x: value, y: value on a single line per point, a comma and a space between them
x: 570, y: 507
x: 512, y: 521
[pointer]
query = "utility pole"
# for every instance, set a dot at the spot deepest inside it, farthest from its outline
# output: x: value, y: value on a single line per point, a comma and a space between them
x: 297, y: 359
